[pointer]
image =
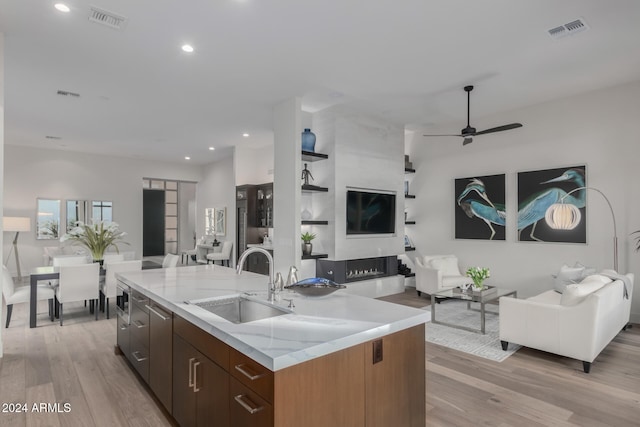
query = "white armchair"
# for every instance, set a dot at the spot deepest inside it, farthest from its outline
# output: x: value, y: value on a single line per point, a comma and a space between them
x: 438, y: 272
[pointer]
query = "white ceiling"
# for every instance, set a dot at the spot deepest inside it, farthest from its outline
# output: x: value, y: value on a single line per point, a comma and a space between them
x: 404, y: 60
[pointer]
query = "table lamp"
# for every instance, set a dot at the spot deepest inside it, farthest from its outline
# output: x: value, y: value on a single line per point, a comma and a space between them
x: 17, y: 224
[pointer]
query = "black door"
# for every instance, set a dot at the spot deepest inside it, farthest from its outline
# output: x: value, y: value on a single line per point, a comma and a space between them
x: 153, y: 223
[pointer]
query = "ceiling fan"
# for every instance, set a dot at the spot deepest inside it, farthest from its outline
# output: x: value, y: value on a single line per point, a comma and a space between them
x: 468, y: 132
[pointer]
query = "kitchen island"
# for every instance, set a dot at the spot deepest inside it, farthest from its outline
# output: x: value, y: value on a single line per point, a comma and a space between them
x: 333, y: 360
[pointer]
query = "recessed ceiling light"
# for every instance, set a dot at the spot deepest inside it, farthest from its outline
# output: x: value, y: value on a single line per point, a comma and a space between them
x: 62, y: 7
x: 212, y: 148
x: 246, y: 135
x: 187, y: 48
x: 187, y: 158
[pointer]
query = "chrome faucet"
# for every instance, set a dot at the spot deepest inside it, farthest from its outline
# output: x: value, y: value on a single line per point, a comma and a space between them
x: 243, y: 258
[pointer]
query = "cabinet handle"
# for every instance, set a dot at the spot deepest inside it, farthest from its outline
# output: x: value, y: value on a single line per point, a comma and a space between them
x: 191, y: 372
x: 195, y: 377
x: 250, y: 409
x: 157, y: 313
x: 242, y: 369
x: 139, y: 324
x: 136, y: 355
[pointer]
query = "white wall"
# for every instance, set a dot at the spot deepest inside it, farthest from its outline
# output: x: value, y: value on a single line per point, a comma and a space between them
x: 30, y: 173
x: 598, y: 129
x: 217, y: 189
x: 254, y: 165
x: 364, y: 152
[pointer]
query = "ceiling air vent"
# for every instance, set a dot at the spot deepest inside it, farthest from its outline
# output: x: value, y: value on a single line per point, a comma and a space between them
x: 568, y: 29
x: 67, y: 93
x: 109, y: 19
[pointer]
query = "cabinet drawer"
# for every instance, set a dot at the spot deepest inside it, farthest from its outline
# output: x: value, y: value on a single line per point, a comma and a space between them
x: 139, y: 358
x: 123, y: 335
x: 252, y: 374
x: 140, y: 300
x: 139, y: 326
x: 246, y: 408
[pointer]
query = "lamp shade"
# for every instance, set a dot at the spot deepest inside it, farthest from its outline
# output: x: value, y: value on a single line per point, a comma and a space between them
x: 16, y: 223
x: 563, y: 216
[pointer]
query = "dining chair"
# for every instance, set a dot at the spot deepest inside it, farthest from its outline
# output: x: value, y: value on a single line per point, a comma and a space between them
x: 223, y: 255
x: 77, y: 283
x: 16, y: 294
x: 170, y: 260
x: 108, y: 288
x: 192, y: 252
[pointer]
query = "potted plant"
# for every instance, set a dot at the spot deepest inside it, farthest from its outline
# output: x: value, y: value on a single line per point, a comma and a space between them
x: 478, y: 275
x: 307, y: 246
x: 97, y: 237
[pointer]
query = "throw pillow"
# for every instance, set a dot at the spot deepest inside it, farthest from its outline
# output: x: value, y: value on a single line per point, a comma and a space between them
x: 578, y: 292
x: 566, y: 276
x: 588, y: 271
x: 448, y: 266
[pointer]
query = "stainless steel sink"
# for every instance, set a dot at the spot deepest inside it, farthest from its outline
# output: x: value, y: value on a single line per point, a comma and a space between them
x: 240, y: 309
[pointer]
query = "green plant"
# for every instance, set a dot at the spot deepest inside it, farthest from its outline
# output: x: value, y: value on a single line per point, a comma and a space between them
x: 307, y: 237
x: 478, y: 274
x: 96, y: 237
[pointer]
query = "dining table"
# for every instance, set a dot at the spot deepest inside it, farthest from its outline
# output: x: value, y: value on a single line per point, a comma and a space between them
x: 36, y: 275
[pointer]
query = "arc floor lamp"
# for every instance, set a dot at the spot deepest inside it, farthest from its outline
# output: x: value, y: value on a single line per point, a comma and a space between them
x: 17, y: 224
x: 565, y: 216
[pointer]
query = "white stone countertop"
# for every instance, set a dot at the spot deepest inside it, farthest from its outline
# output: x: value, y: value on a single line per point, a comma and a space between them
x: 317, y: 326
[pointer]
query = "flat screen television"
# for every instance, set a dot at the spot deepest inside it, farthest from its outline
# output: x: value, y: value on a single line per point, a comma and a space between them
x: 370, y: 212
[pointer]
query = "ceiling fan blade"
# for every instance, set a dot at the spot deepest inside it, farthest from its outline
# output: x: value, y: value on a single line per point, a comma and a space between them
x: 500, y: 128
x: 449, y: 134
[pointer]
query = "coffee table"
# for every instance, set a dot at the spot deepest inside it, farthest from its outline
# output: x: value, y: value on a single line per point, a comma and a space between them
x: 487, y: 296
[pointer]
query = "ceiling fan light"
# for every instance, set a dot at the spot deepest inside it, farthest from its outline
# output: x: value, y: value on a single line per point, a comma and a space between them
x: 563, y: 216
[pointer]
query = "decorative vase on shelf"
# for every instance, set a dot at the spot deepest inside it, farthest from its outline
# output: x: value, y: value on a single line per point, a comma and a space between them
x: 307, y: 248
x: 308, y: 141
x: 306, y: 215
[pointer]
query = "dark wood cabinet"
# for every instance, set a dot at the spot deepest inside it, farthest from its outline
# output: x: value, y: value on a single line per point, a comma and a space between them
x: 161, y: 353
x: 264, y: 204
x: 200, y: 386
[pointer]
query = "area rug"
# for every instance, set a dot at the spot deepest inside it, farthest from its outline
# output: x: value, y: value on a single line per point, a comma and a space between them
x: 487, y: 346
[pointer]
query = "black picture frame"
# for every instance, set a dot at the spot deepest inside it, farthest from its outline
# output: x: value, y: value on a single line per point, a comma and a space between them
x: 537, y: 190
x: 479, y: 206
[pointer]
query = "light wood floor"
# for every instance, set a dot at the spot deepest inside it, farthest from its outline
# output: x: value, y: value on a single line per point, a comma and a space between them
x: 531, y: 388
x: 76, y: 364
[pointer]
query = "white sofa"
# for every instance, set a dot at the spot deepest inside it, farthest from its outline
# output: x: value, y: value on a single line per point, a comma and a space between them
x: 438, y: 272
x: 578, y: 323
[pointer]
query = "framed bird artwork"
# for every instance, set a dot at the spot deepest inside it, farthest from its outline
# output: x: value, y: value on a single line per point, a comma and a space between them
x: 537, y: 190
x: 480, y: 207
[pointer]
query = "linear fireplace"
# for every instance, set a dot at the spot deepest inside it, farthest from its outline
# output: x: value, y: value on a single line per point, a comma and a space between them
x: 353, y: 270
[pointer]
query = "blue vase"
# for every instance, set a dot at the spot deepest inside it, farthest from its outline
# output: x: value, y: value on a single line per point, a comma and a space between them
x: 308, y: 141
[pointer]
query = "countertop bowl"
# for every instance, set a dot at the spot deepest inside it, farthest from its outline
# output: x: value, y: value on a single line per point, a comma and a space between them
x: 315, y: 287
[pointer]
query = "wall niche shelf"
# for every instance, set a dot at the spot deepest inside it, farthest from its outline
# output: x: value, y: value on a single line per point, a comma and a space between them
x: 409, y: 170
x: 310, y: 156
x: 410, y: 223
x: 314, y: 188
x: 314, y: 222
x: 315, y: 256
